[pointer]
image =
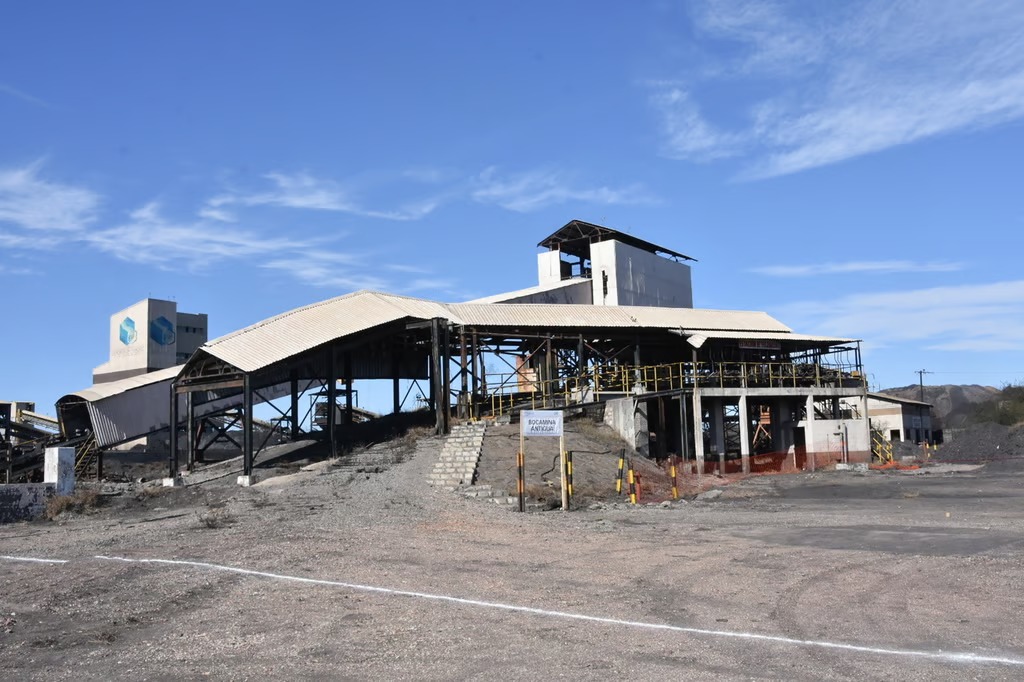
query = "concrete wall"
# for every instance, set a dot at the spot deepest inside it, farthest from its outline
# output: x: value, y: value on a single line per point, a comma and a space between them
x: 24, y: 501
x: 637, y: 277
x: 549, y: 267
x: 825, y: 444
x: 192, y: 330
x: 628, y: 418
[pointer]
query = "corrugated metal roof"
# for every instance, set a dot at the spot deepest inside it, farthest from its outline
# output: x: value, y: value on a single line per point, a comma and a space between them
x: 111, y: 388
x: 893, y: 399
x: 767, y: 336
x: 302, y: 329
x: 544, y: 315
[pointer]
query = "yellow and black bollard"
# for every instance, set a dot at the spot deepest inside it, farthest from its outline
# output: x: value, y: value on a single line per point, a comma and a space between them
x: 632, y: 484
x: 568, y: 464
x: 622, y: 468
x: 675, y: 480
x: 521, y: 470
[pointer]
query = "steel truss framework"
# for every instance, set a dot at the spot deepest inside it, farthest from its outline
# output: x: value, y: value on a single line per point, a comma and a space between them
x: 453, y: 361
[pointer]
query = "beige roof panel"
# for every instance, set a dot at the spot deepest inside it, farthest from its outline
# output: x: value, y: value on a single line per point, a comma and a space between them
x: 302, y: 329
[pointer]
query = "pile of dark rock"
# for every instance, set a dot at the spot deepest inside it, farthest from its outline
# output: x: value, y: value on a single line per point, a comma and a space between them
x: 999, y: 447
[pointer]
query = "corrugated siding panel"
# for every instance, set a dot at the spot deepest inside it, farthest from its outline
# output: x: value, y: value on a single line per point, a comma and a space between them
x: 132, y: 413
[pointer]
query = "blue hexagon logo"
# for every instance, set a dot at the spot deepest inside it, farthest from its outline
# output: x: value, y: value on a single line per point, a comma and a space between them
x: 127, y: 332
x: 162, y: 331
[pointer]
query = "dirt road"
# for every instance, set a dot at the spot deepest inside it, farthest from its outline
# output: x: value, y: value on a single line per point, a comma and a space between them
x: 826, y: 576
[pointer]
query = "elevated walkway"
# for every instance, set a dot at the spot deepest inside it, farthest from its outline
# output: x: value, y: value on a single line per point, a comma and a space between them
x: 516, y: 391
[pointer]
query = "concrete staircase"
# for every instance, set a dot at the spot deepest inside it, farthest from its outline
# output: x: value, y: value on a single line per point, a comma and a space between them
x: 488, y: 494
x: 456, y: 465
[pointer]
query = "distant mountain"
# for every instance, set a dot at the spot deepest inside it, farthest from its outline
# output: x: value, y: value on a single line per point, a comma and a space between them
x: 951, y: 404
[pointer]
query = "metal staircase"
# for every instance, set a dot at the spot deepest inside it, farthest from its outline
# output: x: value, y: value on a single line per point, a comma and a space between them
x: 86, y: 456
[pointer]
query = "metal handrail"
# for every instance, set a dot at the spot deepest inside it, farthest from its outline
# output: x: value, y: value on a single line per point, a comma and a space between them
x: 522, y: 388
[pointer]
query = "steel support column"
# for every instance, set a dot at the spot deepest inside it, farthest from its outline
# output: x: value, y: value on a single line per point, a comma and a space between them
x: 294, y: 408
x: 446, y: 375
x: 332, y: 402
x: 463, y: 412
x: 172, y: 464
x: 348, y: 390
x: 436, y: 382
x: 190, y: 431
x: 396, y: 389
x: 247, y: 436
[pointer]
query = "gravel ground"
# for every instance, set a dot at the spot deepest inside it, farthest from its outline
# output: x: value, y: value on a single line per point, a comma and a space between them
x: 928, y: 563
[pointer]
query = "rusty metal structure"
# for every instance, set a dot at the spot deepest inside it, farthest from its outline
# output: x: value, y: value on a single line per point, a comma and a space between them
x: 700, y: 377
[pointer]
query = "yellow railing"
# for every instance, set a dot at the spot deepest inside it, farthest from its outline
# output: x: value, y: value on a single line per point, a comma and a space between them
x: 84, y: 456
x: 881, y: 448
x: 523, y: 390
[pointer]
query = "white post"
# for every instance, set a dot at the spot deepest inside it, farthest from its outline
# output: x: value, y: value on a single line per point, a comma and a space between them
x: 59, y: 469
x: 565, y: 472
x: 744, y: 434
x: 808, y: 432
x: 698, y: 432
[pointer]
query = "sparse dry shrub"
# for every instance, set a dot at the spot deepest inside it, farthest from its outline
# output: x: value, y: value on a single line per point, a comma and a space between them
x: 592, y: 491
x: 260, y: 500
x: 215, y: 517
x: 405, y: 443
x: 543, y: 493
x: 78, y: 502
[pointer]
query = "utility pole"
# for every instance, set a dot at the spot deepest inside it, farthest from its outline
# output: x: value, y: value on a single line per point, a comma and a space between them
x: 920, y: 379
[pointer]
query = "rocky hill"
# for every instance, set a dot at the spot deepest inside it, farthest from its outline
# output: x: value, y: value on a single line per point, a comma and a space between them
x: 951, y: 404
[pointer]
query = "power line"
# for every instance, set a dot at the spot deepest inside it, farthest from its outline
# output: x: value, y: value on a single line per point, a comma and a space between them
x: 920, y: 377
x: 1011, y: 371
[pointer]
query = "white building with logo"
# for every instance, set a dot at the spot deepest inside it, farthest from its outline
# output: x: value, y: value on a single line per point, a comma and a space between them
x: 150, y: 335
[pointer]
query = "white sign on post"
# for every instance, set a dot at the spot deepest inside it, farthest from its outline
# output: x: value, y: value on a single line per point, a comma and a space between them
x: 541, y: 423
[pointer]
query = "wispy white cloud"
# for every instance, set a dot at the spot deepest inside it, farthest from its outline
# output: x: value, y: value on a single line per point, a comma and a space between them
x: 530, y: 191
x: 338, y: 271
x: 16, y: 271
x: 688, y: 134
x: 150, y: 238
x: 973, y: 317
x: 22, y: 95
x: 304, y: 191
x: 217, y: 214
x: 349, y: 271
x: 30, y: 241
x: 846, y: 79
x: 29, y: 202
x: 779, y: 44
x: 521, y: 192
x: 854, y: 267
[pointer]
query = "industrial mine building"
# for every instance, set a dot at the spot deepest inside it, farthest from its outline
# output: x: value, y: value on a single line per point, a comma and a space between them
x: 609, y: 328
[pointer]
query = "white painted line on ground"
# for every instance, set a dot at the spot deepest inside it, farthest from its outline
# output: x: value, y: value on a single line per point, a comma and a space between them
x: 953, y: 657
x: 946, y: 656
x: 33, y: 559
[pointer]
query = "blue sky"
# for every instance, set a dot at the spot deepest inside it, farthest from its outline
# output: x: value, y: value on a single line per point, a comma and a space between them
x: 852, y: 168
